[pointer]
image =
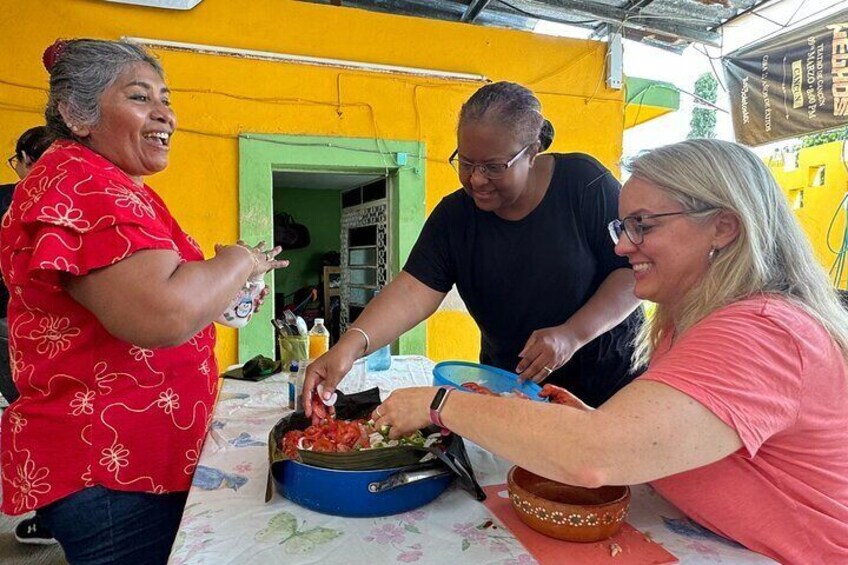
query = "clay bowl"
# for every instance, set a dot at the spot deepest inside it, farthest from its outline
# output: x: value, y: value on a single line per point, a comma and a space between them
x: 567, y: 512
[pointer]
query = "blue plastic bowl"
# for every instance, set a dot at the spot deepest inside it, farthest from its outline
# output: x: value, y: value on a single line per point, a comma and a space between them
x: 457, y: 373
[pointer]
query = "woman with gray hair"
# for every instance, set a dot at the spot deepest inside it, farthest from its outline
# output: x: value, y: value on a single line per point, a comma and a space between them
x: 741, y: 418
x: 110, y: 317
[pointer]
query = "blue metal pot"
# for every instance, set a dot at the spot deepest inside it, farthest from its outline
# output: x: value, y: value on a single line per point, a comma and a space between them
x: 360, y: 494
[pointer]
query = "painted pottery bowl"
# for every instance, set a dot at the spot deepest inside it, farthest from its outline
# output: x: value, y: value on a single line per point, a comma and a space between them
x: 567, y: 512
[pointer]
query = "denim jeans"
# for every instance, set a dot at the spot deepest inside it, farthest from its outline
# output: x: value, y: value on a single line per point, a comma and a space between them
x: 102, y: 526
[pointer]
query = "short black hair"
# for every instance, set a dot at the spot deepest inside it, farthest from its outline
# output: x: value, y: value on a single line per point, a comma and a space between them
x: 34, y: 142
x: 513, y: 106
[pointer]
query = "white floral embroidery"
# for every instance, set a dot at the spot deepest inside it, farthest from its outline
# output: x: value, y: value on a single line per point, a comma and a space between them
x: 60, y: 264
x: 83, y: 403
x: 204, y: 368
x: 168, y: 401
x: 34, y: 192
x: 54, y: 336
x: 17, y: 422
x: 140, y: 354
x: 103, y: 381
x: 86, y: 477
x: 15, y: 360
x: 63, y: 215
x: 114, y: 457
x: 28, y: 484
x: 125, y: 198
x: 193, y: 456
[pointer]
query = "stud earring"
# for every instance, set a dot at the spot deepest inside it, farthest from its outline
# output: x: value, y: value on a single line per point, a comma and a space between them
x: 712, y: 254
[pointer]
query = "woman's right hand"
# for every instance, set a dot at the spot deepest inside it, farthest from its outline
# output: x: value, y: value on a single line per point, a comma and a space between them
x: 328, y: 371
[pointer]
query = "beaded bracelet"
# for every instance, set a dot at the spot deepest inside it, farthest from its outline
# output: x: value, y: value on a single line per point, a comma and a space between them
x: 365, y: 335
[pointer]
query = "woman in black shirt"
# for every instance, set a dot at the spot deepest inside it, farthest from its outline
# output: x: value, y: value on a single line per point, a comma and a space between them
x: 525, y: 242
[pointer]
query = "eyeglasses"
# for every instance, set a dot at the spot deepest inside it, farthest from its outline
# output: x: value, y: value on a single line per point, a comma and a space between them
x: 635, y: 228
x: 13, y: 161
x: 491, y: 171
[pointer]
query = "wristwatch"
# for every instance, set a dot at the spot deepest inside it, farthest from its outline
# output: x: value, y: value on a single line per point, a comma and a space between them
x: 437, y: 405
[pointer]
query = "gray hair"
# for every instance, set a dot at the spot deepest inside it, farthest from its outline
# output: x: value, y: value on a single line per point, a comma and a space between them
x: 83, y: 71
x: 771, y: 254
x: 513, y: 106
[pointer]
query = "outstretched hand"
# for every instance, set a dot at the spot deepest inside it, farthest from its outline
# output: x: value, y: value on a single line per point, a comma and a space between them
x: 264, y: 260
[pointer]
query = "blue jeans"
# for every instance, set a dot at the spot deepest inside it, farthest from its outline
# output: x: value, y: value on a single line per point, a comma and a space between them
x: 99, y: 526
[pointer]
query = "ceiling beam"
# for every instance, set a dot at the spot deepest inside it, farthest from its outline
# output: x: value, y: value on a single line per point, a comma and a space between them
x: 473, y: 10
x: 600, y: 30
x: 448, y: 10
x: 755, y: 6
x: 553, y: 10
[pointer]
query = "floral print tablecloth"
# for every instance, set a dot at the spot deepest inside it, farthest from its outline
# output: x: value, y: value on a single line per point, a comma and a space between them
x: 227, y: 521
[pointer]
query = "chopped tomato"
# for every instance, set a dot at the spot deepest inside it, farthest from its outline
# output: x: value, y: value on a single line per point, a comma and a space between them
x: 324, y: 444
x: 478, y: 388
x: 330, y: 435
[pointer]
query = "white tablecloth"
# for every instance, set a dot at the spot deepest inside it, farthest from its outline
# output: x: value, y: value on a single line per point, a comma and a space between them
x: 227, y: 521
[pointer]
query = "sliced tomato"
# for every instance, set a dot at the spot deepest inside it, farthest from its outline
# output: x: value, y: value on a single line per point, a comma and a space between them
x: 478, y: 388
x: 324, y: 444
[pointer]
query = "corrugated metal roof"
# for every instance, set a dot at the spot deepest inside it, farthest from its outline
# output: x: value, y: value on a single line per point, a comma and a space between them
x: 671, y: 24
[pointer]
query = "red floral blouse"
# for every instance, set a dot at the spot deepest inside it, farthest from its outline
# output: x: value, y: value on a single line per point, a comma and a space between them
x: 93, y: 410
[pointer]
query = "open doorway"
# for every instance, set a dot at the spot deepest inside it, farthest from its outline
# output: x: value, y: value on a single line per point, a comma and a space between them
x: 344, y: 258
x: 329, y: 184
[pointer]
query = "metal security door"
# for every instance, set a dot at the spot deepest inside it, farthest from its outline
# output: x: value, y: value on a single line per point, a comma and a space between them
x: 365, y: 255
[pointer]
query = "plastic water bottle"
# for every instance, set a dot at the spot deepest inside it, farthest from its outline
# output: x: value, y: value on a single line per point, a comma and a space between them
x: 298, y: 386
x: 240, y: 310
x: 293, y: 370
x: 379, y: 360
x: 319, y: 339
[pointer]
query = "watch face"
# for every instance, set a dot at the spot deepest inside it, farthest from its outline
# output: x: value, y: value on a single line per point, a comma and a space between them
x: 437, y: 400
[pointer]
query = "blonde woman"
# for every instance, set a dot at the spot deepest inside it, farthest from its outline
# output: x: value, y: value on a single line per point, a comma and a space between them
x: 741, y: 418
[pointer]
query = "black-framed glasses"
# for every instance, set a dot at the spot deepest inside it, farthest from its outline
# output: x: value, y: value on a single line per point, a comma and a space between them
x: 635, y: 228
x: 491, y: 171
x: 13, y: 161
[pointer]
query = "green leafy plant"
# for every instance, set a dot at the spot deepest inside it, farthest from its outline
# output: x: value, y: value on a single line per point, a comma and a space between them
x: 703, y: 121
x: 823, y: 137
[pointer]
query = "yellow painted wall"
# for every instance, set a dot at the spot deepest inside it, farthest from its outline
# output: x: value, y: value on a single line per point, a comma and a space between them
x: 815, y: 206
x: 217, y: 98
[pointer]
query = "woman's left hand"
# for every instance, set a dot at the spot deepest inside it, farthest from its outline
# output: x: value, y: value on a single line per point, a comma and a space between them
x: 264, y: 259
x: 546, y: 351
x: 405, y: 411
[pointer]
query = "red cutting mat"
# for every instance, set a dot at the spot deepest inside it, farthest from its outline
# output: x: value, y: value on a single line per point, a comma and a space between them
x: 636, y: 549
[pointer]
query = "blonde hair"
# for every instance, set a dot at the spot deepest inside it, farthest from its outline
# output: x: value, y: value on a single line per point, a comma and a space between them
x: 770, y: 255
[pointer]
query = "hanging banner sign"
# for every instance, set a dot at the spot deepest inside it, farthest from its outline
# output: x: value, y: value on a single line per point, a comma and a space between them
x: 790, y: 85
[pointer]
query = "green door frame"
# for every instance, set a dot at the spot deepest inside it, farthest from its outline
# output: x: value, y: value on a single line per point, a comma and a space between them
x: 262, y: 154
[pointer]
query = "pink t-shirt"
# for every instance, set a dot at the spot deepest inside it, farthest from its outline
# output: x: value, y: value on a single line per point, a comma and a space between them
x: 772, y: 373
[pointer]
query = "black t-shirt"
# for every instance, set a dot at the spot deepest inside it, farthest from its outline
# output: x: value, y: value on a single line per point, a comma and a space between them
x: 6, y: 192
x: 519, y: 276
